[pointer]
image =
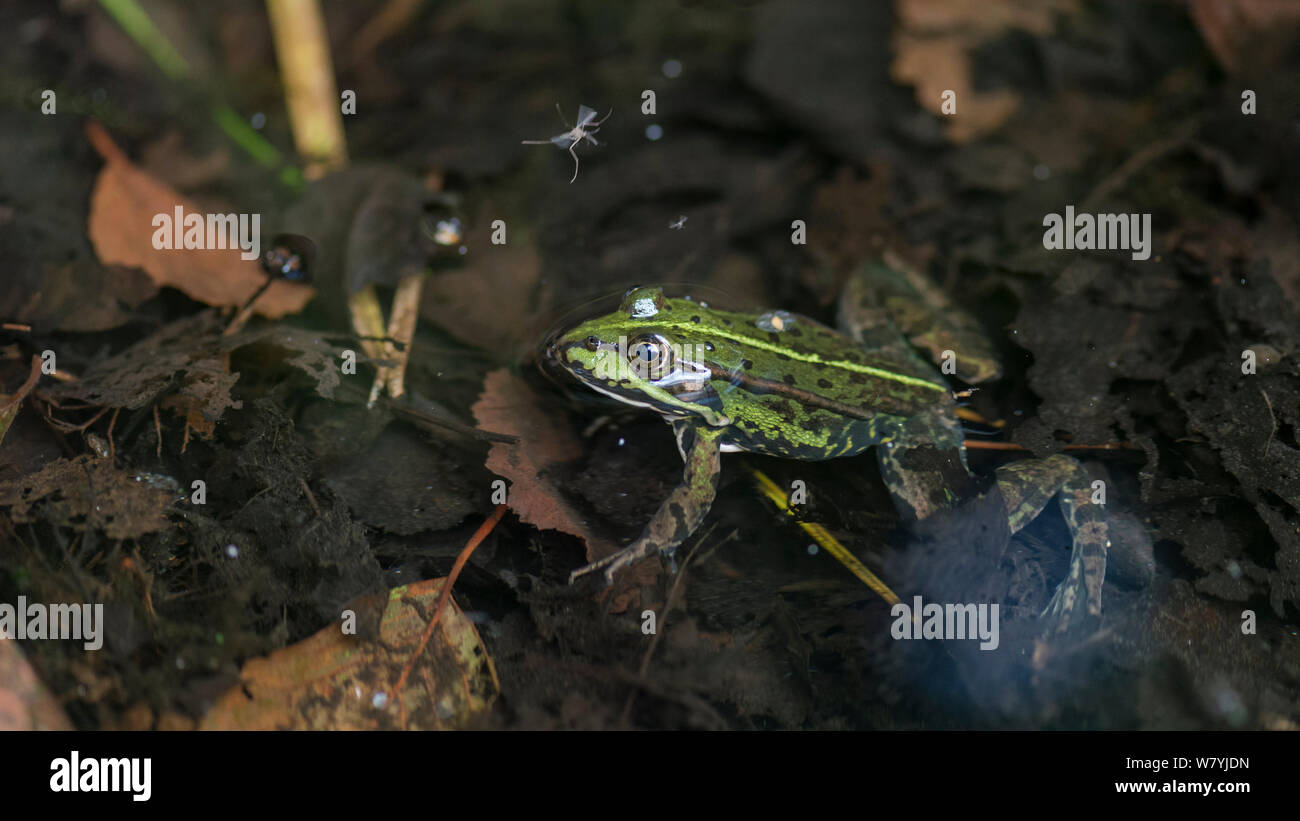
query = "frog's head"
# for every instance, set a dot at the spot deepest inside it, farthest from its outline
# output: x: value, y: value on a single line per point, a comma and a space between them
x: 641, y: 355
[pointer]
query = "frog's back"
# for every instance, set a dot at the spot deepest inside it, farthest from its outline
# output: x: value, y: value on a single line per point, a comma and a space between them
x: 807, y: 391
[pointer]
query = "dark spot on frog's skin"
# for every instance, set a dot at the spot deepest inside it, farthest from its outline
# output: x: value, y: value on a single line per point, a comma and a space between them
x: 695, y: 319
x: 857, y: 378
x: 774, y: 338
x: 727, y: 322
x: 824, y: 383
x: 746, y: 364
x: 783, y: 357
x: 788, y: 379
x: 821, y: 366
x: 852, y: 356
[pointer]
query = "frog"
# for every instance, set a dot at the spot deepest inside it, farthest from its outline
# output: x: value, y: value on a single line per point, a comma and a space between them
x: 776, y: 383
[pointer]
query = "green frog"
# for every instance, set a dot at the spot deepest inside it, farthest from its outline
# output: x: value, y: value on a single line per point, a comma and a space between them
x: 780, y: 384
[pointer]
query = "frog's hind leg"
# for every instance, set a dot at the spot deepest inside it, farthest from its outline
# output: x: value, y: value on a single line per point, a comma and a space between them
x: 924, y: 465
x: 1027, y: 486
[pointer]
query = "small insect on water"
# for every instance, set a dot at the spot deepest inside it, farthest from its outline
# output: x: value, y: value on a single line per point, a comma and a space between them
x: 587, y: 125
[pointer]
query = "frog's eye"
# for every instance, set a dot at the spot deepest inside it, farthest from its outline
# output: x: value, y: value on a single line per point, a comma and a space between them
x: 650, y: 356
x: 592, y: 343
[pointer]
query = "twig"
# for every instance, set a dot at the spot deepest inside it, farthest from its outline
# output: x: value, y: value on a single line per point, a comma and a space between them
x: 312, y: 96
x: 1271, y: 418
x: 310, y: 498
x: 976, y: 444
x: 66, y: 427
x: 112, y: 448
x: 157, y: 427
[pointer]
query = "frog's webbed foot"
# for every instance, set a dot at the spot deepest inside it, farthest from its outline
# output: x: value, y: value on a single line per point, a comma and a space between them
x: 683, y: 510
x: 1027, y: 487
x: 628, y: 556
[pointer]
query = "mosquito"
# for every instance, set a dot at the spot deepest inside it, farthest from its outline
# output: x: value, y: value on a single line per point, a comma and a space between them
x: 587, y: 125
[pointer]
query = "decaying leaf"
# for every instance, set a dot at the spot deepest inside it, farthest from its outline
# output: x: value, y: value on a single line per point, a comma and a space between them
x: 123, y: 205
x: 88, y: 491
x: 932, y: 45
x: 334, y: 681
x: 1241, y: 34
x: 184, y: 356
x: 509, y: 406
x: 9, y: 405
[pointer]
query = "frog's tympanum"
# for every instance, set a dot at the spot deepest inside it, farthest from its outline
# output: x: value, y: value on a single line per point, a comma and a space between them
x: 781, y: 384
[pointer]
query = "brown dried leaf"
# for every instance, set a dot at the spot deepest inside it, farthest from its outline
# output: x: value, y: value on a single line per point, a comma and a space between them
x: 333, y: 681
x: 490, y: 302
x: 87, y: 491
x: 1242, y: 34
x: 122, y: 207
x: 507, y: 405
x: 932, y: 45
x: 141, y: 373
x: 9, y: 405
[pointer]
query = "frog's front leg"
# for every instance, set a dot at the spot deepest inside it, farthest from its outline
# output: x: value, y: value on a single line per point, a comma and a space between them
x: 683, y: 510
x: 1027, y: 486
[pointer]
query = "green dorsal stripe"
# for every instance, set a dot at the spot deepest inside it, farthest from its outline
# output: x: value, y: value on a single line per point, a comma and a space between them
x: 763, y: 344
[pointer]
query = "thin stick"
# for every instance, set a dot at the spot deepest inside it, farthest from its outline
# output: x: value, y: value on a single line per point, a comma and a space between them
x: 310, y: 498
x: 401, y: 327
x: 157, y: 426
x: 973, y: 444
x: 65, y: 427
x: 112, y: 448
x: 303, y: 52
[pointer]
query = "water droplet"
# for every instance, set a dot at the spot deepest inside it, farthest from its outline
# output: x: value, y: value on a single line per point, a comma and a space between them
x: 379, y: 701
x: 672, y: 69
x: 812, y: 550
x: 257, y: 120
x: 1042, y: 172
x: 654, y: 131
